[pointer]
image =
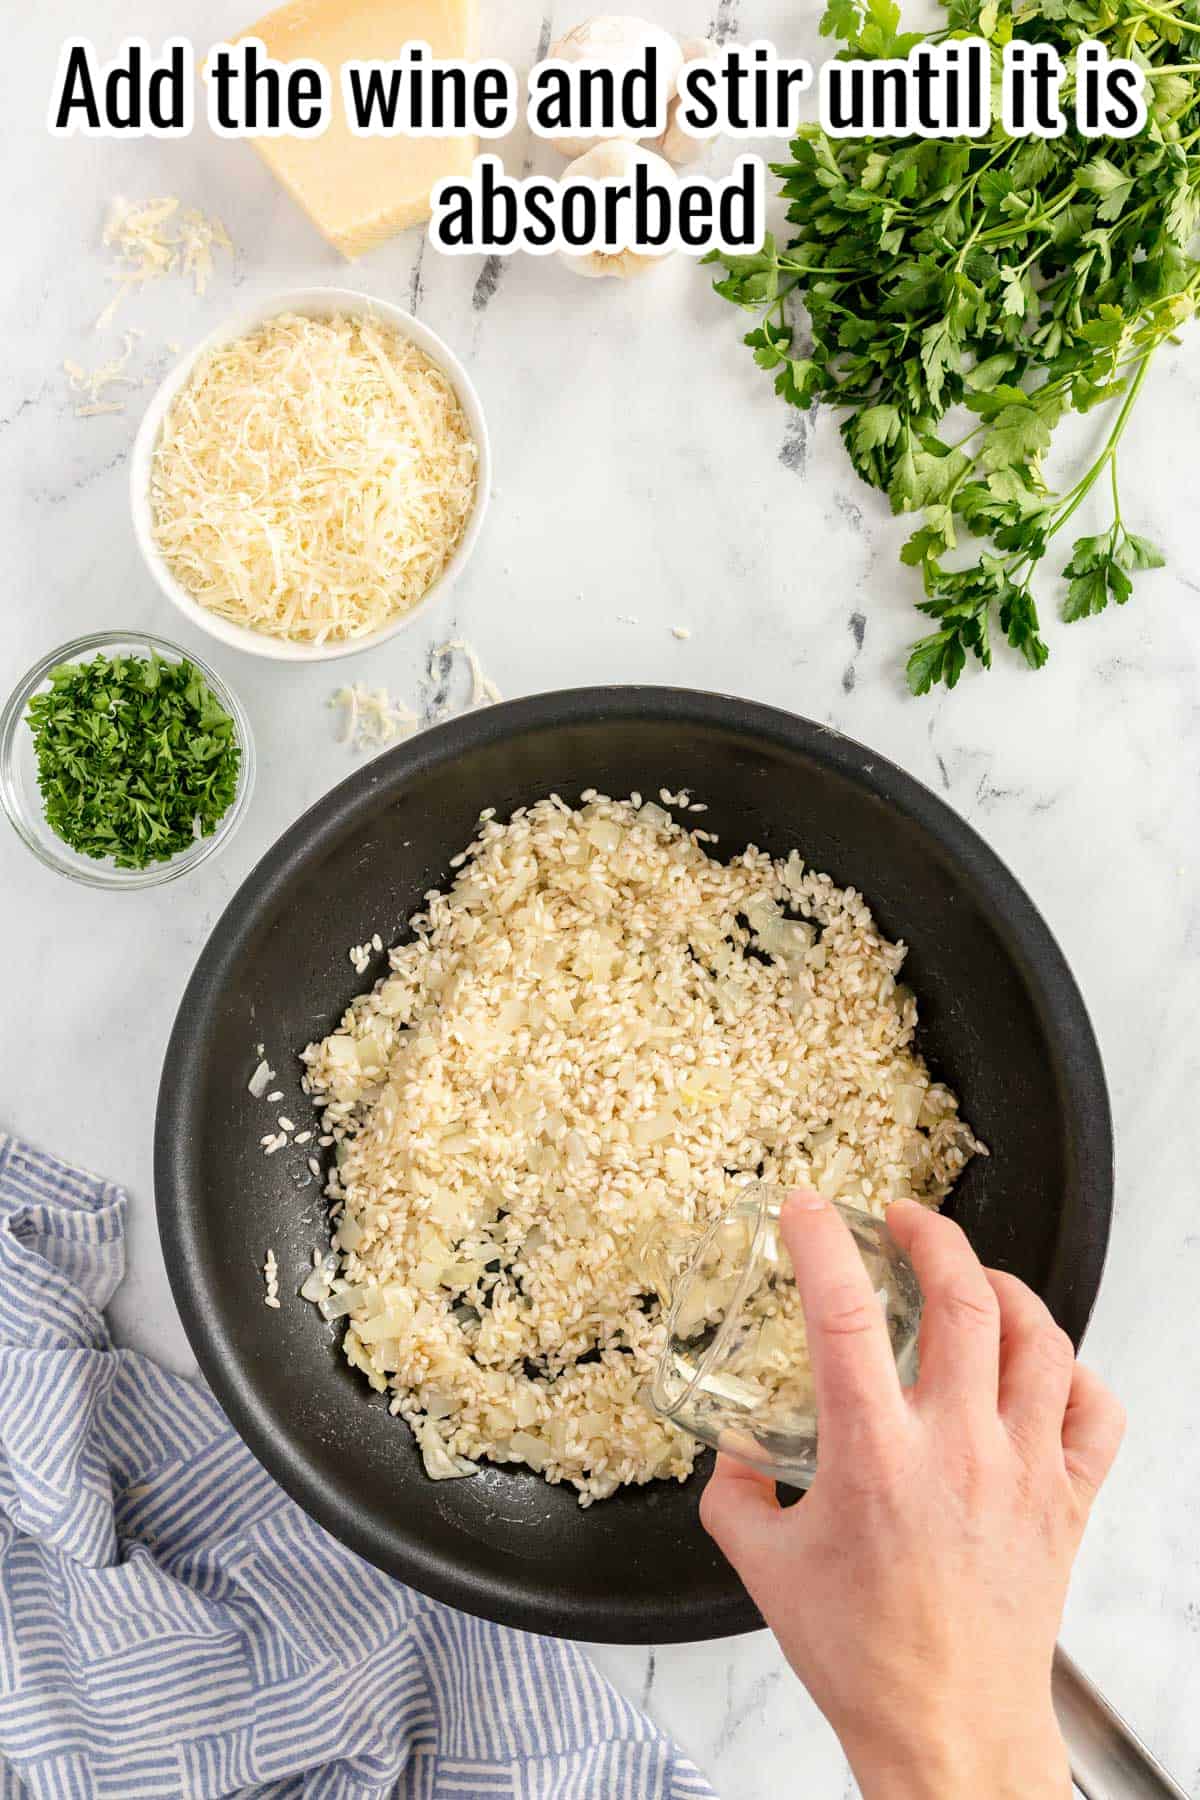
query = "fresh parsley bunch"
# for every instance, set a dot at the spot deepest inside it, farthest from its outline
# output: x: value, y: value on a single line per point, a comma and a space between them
x: 136, y: 757
x: 1004, y: 281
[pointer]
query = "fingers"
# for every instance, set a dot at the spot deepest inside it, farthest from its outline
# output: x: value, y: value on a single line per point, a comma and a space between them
x: 1037, y: 1363
x: 737, y: 1506
x: 960, y: 1323
x: 854, y: 1371
x: 1091, y: 1433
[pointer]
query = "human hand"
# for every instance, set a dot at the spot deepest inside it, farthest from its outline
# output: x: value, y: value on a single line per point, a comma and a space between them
x: 917, y: 1589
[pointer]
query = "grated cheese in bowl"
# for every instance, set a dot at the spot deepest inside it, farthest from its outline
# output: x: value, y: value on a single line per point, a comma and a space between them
x: 308, y: 479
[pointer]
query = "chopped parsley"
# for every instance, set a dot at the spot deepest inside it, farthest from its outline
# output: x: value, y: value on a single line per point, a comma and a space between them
x: 136, y: 757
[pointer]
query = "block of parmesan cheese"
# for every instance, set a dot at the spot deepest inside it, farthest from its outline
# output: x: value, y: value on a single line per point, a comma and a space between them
x: 361, y: 190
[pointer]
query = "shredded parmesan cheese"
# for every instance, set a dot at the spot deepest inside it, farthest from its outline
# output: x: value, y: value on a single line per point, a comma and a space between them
x: 371, y: 718
x: 313, y: 478
x: 93, y: 382
x: 484, y: 691
x: 152, y: 239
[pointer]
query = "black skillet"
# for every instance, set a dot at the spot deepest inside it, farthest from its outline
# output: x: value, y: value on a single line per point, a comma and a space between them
x: 1001, y: 1019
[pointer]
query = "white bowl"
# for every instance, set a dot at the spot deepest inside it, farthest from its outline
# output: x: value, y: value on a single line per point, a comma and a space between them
x: 318, y: 303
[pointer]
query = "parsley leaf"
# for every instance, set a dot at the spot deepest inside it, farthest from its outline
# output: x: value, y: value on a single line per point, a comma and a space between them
x: 1099, y: 570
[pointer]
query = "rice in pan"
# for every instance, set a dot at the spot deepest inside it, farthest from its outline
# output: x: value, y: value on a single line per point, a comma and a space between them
x: 597, y: 1028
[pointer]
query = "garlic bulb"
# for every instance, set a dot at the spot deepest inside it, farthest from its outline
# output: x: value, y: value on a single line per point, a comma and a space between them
x: 621, y: 42
x: 615, y: 161
x: 674, y: 144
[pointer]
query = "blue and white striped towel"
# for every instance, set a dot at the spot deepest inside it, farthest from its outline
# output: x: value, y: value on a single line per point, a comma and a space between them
x: 172, y: 1627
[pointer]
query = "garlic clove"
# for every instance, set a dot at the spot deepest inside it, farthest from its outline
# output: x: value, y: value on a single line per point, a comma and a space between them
x: 621, y: 41
x: 675, y: 144
x: 615, y: 161
x: 620, y: 263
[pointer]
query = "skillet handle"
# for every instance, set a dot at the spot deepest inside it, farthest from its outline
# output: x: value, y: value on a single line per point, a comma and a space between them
x: 1108, y: 1762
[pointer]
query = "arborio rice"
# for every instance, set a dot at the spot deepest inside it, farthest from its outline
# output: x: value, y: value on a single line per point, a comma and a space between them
x: 599, y: 1027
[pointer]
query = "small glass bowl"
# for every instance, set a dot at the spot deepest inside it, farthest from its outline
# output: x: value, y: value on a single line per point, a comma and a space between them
x: 734, y: 1369
x: 22, y: 800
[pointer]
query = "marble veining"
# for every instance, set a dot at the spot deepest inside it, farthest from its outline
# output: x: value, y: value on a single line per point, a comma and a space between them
x: 646, y: 477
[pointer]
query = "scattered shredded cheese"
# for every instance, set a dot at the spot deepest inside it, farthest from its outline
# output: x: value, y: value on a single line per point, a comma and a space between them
x: 313, y: 478
x: 483, y: 689
x: 371, y: 718
x: 93, y: 382
x: 152, y: 238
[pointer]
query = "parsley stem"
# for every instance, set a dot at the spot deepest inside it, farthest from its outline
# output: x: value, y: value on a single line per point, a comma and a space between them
x: 1180, y: 23
x: 1107, y: 456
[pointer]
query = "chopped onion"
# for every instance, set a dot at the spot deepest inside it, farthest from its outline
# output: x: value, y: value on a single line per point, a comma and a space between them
x: 788, y: 939
x: 938, y: 1103
x: 761, y: 912
x: 350, y: 1233
x: 390, y: 1324
x: 703, y: 1303
x: 649, y: 1131
x: 450, y: 1209
x: 605, y: 835
x: 916, y: 1150
x: 316, y: 1287
x: 440, y: 1463
x: 907, y: 1100
x: 677, y: 1166
x: 837, y: 1169
x: 575, y: 1149
x: 531, y: 1450
x: 260, y: 1081
x: 800, y: 996
x: 732, y: 1387
x: 519, y: 884
x: 459, y: 1275
x: 351, y: 1299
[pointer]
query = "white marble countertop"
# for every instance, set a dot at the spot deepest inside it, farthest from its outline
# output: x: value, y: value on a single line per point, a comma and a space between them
x: 645, y: 470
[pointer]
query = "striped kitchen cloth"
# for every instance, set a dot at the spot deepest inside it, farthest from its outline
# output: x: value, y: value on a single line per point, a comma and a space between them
x: 172, y: 1627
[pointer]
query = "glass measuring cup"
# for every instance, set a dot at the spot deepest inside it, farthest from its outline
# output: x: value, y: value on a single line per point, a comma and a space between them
x: 734, y: 1371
